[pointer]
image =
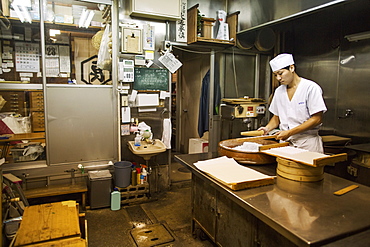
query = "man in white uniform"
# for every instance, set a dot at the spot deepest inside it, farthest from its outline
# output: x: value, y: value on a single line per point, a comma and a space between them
x: 297, y: 106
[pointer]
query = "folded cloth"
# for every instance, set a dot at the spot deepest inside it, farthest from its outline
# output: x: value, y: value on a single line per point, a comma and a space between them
x: 167, y: 132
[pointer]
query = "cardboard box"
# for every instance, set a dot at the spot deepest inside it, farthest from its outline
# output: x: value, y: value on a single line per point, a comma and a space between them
x: 198, y: 145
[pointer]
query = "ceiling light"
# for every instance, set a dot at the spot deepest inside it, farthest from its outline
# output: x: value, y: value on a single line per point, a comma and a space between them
x: 358, y: 36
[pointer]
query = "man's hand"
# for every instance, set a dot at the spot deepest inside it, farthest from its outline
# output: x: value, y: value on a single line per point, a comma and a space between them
x: 265, y: 130
x: 282, y: 135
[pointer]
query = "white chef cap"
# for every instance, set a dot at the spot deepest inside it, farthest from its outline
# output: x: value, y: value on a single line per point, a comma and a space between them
x: 281, y: 61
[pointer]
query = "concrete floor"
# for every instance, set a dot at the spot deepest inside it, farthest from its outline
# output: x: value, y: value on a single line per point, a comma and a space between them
x: 171, y: 209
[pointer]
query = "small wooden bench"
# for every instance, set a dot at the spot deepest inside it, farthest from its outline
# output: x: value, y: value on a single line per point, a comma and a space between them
x: 58, y: 190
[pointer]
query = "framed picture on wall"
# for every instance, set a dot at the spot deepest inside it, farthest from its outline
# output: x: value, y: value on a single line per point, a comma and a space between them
x: 131, y: 41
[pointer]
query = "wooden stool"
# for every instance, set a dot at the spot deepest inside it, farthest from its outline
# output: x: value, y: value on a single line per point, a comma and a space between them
x: 299, y: 172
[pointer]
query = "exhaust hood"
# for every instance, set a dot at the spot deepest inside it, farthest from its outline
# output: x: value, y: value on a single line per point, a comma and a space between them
x: 269, y: 13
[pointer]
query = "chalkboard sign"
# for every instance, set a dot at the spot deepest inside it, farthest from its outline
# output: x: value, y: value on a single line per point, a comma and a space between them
x: 151, y: 79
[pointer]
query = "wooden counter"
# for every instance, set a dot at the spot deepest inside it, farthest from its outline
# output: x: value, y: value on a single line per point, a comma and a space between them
x: 5, y: 143
x: 24, y: 136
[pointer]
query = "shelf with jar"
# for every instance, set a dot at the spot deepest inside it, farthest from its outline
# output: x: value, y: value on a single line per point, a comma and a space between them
x: 200, y: 29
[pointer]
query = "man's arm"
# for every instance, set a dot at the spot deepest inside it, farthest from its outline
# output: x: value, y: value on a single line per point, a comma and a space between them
x: 273, y: 123
x: 312, y: 122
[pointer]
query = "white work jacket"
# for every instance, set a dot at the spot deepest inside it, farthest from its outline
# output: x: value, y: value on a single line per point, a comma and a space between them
x: 306, y: 101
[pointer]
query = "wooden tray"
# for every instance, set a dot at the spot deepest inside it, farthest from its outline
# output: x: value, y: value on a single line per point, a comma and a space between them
x: 308, y: 158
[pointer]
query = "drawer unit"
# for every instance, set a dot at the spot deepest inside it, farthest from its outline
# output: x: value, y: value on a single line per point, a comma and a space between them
x: 38, y: 121
x: 36, y: 101
x: 15, y: 102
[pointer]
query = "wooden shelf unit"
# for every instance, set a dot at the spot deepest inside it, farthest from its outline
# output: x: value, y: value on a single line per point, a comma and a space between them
x: 231, y: 19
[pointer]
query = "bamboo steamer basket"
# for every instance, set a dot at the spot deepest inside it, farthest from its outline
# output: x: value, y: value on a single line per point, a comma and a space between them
x: 298, y: 172
x: 226, y: 148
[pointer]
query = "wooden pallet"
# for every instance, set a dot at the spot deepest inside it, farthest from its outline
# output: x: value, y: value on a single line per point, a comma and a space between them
x: 48, y: 222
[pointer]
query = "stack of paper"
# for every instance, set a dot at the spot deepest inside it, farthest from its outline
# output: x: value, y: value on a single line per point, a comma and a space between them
x: 230, y: 172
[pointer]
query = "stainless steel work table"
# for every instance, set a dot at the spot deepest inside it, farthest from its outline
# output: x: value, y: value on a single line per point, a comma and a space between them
x: 305, y: 213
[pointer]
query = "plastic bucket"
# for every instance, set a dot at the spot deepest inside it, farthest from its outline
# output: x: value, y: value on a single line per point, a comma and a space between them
x: 122, y: 173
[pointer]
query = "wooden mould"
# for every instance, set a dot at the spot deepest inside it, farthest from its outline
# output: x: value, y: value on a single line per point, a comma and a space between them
x: 246, y: 184
x: 308, y: 158
x: 229, y: 173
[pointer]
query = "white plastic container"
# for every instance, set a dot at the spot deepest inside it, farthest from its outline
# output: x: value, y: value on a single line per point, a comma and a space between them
x: 115, y: 200
x: 137, y: 140
x: 143, y: 176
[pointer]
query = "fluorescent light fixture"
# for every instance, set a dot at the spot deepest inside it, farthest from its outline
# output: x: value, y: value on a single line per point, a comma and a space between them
x: 26, y: 14
x: 83, y: 17
x: 86, y: 18
x: 54, y: 32
x: 358, y: 36
x: 26, y: 3
x: 18, y: 12
x: 22, y: 11
x: 89, y: 18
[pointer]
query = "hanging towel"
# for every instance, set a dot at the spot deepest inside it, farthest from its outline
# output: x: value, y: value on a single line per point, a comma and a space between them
x: 167, y: 132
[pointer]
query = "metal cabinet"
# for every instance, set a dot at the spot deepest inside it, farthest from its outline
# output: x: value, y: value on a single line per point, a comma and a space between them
x: 235, y: 226
x: 226, y: 223
x: 204, y: 206
x: 156, y: 9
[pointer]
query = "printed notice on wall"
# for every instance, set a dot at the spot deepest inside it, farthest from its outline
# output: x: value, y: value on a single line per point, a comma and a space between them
x: 181, y: 25
x: 65, y: 63
x: 170, y: 62
x: 52, y: 60
x: 27, y: 57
